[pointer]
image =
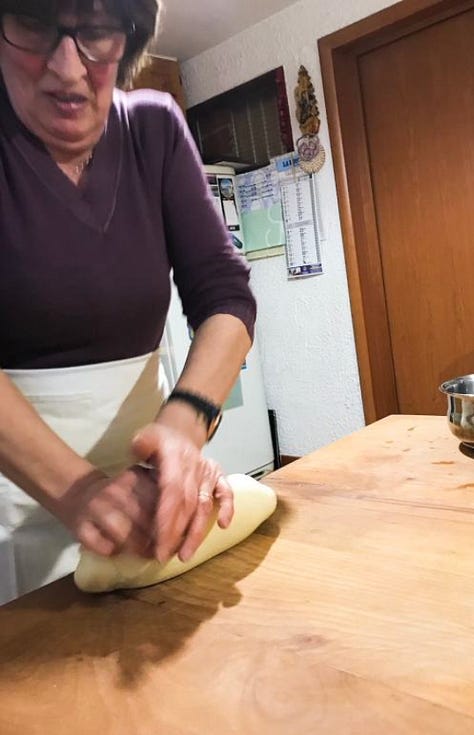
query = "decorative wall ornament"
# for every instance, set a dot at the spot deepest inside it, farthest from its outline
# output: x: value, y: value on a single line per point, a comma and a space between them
x: 310, y: 150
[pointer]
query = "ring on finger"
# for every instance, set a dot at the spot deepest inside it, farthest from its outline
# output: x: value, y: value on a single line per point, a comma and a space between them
x: 203, y: 495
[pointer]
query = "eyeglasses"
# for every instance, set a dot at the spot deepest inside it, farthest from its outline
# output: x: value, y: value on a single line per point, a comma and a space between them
x: 99, y: 43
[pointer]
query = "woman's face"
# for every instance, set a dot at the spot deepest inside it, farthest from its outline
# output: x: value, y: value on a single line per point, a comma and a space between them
x: 61, y: 98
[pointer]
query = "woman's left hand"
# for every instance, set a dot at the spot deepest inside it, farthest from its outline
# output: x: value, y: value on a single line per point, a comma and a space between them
x: 188, y: 485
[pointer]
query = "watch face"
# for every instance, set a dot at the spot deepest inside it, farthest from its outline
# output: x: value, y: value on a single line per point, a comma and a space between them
x: 213, y: 426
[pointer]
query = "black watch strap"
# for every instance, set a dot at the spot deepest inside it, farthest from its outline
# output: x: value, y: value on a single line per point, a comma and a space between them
x: 211, y: 413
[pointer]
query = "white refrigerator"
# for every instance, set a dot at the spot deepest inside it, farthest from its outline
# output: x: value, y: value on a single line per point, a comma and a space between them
x: 243, y: 442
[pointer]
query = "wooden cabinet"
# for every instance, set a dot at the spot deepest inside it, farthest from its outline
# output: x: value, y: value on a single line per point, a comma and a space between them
x: 163, y: 74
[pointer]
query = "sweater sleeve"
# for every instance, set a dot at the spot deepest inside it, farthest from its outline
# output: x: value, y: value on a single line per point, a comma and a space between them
x: 212, y: 277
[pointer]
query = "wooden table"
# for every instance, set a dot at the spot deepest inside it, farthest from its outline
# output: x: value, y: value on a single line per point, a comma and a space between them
x: 350, y: 612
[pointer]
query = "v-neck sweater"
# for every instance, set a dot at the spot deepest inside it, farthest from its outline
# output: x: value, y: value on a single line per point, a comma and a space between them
x: 85, y: 271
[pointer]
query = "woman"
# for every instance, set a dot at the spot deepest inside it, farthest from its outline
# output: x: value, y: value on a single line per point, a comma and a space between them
x: 101, y: 193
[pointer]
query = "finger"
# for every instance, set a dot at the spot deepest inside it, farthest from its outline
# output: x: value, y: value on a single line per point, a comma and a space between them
x: 134, y: 495
x: 196, y: 530
x: 172, y: 519
x: 210, y: 472
x: 93, y: 539
x: 224, y: 496
x: 115, y: 524
x: 123, y: 532
x: 142, y: 518
x: 176, y: 502
x: 222, y: 492
x: 176, y: 508
x: 198, y: 527
x: 141, y: 509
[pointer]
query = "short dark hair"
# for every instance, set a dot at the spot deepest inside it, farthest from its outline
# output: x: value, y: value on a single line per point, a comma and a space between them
x: 142, y: 14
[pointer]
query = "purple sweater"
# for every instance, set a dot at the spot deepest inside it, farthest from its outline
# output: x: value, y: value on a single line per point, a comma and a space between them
x: 84, y: 273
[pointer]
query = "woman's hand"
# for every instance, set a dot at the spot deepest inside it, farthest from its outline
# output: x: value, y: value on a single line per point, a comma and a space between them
x: 188, y: 484
x: 110, y: 515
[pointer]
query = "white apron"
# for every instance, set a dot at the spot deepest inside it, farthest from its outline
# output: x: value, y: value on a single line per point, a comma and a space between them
x: 96, y: 409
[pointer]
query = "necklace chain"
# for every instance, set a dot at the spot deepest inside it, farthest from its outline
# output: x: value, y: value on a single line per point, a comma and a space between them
x: 79, y: 168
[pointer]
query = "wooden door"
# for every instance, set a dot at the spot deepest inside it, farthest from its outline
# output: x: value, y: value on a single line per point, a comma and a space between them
x: 411, y: 166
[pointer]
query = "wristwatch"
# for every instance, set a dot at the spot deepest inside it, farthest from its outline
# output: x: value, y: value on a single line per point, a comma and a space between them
x: 211, y: 413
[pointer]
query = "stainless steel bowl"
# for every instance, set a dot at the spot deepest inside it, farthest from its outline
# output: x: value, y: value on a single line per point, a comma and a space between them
x: 460, y: 394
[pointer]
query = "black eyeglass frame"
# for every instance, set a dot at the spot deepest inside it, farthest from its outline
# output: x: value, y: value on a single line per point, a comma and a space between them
x: 67, y: 31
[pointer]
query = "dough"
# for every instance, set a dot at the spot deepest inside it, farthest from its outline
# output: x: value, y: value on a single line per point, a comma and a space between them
x: 253, y: 503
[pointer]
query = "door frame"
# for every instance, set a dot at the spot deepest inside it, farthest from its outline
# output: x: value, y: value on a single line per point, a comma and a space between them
x: 339, y: 53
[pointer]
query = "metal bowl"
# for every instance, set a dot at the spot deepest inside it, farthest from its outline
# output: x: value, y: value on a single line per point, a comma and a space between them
x: 460, y: 395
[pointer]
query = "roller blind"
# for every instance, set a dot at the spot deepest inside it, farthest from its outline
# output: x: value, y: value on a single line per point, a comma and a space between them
x: 248, y: 124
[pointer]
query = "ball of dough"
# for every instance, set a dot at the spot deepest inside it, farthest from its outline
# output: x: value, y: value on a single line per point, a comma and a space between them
x: 253, y: 503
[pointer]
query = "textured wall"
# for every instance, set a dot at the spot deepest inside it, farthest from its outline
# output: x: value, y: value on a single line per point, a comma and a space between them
x: 305, y: 327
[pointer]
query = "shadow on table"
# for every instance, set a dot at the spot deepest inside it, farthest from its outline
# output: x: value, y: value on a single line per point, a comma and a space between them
x: 58, y: 626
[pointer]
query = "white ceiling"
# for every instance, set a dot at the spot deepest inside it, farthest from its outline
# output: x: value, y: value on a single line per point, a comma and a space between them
x: 189, y: 27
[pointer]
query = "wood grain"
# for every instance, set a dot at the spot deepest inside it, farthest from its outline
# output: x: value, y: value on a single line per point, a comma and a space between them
x: 350, y: 611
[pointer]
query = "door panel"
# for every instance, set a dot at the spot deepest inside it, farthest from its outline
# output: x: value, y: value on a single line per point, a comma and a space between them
x: 418, y: 102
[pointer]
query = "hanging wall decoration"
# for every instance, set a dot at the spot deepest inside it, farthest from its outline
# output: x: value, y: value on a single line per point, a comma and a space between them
x: 310, y: 150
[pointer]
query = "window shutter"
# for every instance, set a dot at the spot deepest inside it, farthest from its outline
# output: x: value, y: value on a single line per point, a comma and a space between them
x: 248, y: 124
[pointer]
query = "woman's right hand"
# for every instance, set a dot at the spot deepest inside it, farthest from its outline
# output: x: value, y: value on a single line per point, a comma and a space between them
x: 111, y: 515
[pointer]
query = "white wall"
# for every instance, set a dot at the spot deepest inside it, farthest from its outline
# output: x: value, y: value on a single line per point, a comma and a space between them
x: 304, y: 327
